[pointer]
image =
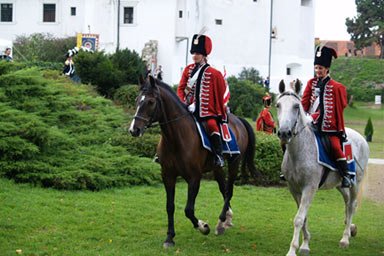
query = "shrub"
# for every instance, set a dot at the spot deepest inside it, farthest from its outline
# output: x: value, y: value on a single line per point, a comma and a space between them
x: 268, y: 158
x: 42, y: 47
x: 97, y: 69
x: 126, y: 95
x: 368, y: 130
x: 58, y: 134
x: 130, y: 65
x: 246, y: 97
x: 109, y: 72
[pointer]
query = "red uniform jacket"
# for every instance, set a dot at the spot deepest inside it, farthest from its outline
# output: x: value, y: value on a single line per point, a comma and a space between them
x: 266, y: 121
x: 208, y: 93
x: 332, y: 101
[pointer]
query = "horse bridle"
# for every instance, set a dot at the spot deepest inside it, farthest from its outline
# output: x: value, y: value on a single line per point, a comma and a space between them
x: 288, y: 93
x: 149, y: 123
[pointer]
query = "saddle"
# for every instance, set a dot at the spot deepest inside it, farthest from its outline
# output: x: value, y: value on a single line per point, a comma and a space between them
x: 326, y: 158
x: 228, y: 139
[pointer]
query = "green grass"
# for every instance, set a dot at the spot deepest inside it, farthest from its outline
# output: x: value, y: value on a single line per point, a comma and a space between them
x: 132, y: 221
x: 356, y: 118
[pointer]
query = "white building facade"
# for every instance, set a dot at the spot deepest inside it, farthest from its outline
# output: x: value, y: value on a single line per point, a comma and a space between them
x: 240, y: 30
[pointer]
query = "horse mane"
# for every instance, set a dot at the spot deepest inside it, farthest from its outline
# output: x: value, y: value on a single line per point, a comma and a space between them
x: 173, y: 94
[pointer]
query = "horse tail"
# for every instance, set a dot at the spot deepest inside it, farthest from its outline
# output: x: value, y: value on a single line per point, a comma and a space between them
x: 249, y: 156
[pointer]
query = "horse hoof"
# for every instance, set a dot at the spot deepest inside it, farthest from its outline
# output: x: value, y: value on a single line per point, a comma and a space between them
x: 304, y: 251
x: 344, y: 244
x: 228, y: 225
x: 168, y: 244
x: 204, y: 227
x: 353, y: 230
x: 220, y: 231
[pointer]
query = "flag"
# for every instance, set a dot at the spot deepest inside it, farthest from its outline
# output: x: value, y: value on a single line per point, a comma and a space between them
x: 90, y: 41
x: 153, y: 66
x: 226, y: 94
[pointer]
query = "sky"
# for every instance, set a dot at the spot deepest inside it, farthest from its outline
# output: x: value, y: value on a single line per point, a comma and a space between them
x: 330, y: 18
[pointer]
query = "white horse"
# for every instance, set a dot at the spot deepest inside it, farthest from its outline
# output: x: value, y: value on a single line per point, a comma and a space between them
x: 302, y: 171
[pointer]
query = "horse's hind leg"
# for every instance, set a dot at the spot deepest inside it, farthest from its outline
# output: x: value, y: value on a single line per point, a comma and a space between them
x: 227, y: 223
x: 169, y: 183
x: 225, y: 218
x: 193, y: 190
x: 350, y: 200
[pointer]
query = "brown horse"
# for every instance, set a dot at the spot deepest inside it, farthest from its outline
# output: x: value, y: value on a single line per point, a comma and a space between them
x: 181, y: 152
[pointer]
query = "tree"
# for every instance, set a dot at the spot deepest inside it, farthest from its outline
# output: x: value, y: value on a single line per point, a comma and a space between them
x: 250, y: 74
x: 368, y: 26
x: 368, y: 131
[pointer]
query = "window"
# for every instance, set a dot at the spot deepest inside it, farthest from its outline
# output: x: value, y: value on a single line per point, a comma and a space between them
x: 128, y: 15
x: 306, y: 3
x: 288, y: 71
x: 6, y: 12
x: 180, y: 14
x: 73, y: 11
x: 49, y: 13
x: 219, y: 22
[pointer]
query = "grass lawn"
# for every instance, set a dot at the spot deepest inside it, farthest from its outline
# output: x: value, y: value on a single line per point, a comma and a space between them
x: 133, y: 221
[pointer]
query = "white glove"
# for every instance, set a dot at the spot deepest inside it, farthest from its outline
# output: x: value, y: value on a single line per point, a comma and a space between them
x: 192, y: 107
x: 308, y: 118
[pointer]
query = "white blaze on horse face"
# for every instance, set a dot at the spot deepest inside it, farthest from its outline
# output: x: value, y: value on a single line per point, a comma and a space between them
x: 287, y: 113
x: 137, y: 111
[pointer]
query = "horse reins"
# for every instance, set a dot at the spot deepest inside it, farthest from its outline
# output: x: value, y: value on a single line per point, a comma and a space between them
x: 149, y: 123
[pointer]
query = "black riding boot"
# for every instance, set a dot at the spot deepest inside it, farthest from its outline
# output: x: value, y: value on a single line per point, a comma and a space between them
x: 217, y: 150
x: 344, y: 172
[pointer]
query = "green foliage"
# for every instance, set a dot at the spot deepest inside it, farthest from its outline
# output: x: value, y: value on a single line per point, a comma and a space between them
x: 130, y: 65
x: 97, y: 69
x: 368, y: 130
x: 56, y: 134
x: 268, y: 158
x: 246, y: 97
x: 250, y: 74
x: 361, y: 76
x: 42, y: 47
x: 126, y: 95
x: 109, y: 72
x: 368, y: 25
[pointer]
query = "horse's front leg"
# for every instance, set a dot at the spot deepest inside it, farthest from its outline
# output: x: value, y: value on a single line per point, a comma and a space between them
x: 193, y: 190
x: 305, y: 202
x: 169, y: 183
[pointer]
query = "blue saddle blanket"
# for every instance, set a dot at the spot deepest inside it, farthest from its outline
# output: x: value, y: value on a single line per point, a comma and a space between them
x: 229, y: 147
x: 324, y: 160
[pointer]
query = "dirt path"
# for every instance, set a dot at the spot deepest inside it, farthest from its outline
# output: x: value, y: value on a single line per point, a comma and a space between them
x: 373, y: 187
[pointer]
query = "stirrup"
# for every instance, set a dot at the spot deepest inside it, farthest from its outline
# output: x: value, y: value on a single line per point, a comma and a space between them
x: 346, y: 182
x: 219, y: 161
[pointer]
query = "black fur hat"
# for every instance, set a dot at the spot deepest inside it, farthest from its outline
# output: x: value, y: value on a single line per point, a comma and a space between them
x: 323, y: 56
x: 201, y: 44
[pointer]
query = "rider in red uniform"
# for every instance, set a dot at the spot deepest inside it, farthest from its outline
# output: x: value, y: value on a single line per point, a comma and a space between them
x: 265, y: 121
x: 325, y: 99
x: 202, y: 88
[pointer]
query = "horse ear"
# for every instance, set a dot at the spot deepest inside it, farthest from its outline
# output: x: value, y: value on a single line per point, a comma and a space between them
x: 152, y: 81
x: 281, y: 86
x: 297, y: 86
x: 141, y: 82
